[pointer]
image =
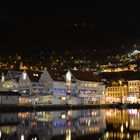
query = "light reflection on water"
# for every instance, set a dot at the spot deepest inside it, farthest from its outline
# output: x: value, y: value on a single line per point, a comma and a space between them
x: 88, y: 124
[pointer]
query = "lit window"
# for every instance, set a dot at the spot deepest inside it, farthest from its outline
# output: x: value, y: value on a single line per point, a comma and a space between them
x: 24, y: 76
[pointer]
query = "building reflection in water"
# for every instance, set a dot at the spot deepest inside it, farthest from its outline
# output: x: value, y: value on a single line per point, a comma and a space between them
x: 97, y: 124
x: 48, y: 125
x: 68, y: 134
x: 122, y: 124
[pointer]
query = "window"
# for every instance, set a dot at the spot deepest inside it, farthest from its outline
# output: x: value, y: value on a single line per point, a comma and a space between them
x: 24, y: 76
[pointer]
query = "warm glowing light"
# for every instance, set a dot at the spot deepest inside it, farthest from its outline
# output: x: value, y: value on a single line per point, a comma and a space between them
x: 68, y: 134
x: 63, y: 98
x: 63, y: 116
x: 126, y: 124
x: 122, y: 128
x: 107, y: 134
x: 120, y: 82
x: 132, y: 122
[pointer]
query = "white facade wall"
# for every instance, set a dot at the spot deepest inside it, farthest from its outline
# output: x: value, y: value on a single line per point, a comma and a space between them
x: 88, y: 89
x: 24, y: 82
x: 46, y: 80
x: 75, y: 101
x: 60, y: 86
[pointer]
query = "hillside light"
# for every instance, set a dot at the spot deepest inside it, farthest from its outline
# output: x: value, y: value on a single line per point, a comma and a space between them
x: 120, y: 82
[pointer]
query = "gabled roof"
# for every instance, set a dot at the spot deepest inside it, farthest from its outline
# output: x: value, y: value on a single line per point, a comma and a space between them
x: 85, y: 76
x: 14, y: 75
x: 63, y: 73
x: 34, y: 75
x: 56, y: 75
x: 4, y: 72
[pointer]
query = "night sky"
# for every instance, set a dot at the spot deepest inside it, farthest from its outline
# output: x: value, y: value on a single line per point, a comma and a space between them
x: 103, y: 25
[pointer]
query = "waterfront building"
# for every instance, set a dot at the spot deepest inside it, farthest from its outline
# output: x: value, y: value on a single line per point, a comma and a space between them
x: 9, y: 98
x: 29, y: 82
x: 56, y: 84
x: 10, y: 81
x: 89, y: 87
x: 116, y: 92
x: 134, y: 91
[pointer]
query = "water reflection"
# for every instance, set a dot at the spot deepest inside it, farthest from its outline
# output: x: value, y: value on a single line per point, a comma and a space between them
x: 97, y: 124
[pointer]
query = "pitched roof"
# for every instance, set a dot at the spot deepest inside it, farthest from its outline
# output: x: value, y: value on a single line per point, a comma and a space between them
x: 56, y: 75
x: 63, y: 73
x: 4, y: 72
x: 34, y: 75
x: 14, y: 75
x: 85, y: 76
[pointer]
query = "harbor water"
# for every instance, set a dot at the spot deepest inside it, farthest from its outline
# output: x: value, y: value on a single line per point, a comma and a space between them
x: 97, y: 124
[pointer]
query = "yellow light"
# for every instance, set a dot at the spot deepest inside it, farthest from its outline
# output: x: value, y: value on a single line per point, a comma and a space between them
x: 120, y: 82
x: 68, y: 134
x: 122, y: 128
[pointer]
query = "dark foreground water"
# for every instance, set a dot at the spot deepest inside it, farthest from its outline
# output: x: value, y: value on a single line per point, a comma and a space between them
x: 95, y: 124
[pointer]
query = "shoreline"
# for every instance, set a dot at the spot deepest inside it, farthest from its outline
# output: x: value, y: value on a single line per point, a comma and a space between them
x: 15, y: 108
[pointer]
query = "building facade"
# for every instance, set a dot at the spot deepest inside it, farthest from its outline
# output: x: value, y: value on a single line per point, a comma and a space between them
x: 89, y: 87
x: 9, y: 98
x: 29, y: 82
x: 56, y: 85
x: 133, y: 91
x: 116, y: 92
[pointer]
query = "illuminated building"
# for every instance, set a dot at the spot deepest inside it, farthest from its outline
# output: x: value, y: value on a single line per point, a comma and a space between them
x: 89, y: 87
x: 29, y: 82
x: 133, y: 91
x: 59, y: 86
x: 9, y: 98
x: 10, y: 81
x: 22, y: 67
x: 116, y: 92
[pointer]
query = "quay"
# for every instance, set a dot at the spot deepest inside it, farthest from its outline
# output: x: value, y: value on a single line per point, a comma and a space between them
x: 17, y: 108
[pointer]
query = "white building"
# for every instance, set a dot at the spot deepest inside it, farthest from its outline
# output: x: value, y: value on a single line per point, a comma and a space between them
x: 29, y: 82
x: 10, y: 81
x: 73, y: 87
x: 56, y: 84
x: 89, y: 87
x: 9, y: 98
